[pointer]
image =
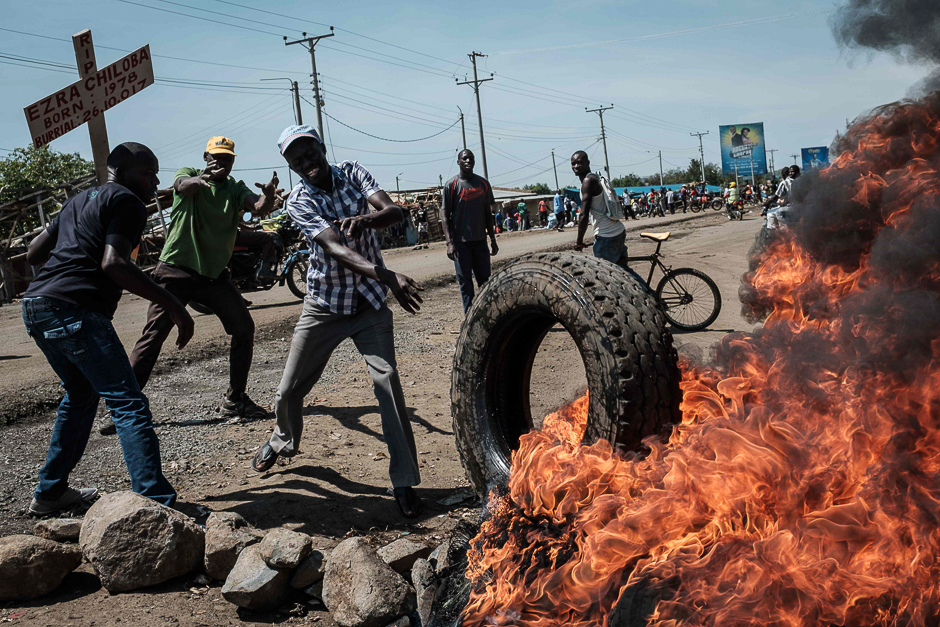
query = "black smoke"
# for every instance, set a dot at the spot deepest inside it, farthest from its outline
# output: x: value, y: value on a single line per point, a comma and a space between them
x: 908, y: 29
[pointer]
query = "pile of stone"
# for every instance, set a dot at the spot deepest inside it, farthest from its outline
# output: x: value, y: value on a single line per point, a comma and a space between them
x: 133, y: 542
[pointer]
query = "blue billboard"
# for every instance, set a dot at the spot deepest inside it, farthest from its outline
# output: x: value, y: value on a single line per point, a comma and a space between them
x: 743, y: 148
x: 815, y: 158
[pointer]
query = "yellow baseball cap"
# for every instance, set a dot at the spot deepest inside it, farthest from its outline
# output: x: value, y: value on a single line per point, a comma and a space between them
x: 221, y: 145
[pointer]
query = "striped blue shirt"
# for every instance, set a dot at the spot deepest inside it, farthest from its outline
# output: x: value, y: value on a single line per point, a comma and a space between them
x: 328, y: 282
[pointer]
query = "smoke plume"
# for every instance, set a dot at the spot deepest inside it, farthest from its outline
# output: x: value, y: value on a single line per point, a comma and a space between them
x: 908, y: 29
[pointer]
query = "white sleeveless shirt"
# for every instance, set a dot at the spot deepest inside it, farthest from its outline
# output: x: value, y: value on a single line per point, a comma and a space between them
x: 604, y: 226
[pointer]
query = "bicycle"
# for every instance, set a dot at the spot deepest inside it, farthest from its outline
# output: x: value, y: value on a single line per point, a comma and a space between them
x: 690, y: 298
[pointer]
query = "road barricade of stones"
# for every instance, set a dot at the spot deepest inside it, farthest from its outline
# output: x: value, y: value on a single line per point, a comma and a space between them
x: 132, y: 542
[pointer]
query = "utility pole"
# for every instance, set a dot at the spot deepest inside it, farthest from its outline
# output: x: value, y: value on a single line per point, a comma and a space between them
x: 600, y: 112
x: 440, y: 177
x: 750, y: 156
x: 660, y: 168
x: 794, y: 159
x: 773, y: 168
x: 737, y: 182
x: 476, y: 90
x: 556, y: 170
x: 701, y: 152
x: 310, y: 44
x: 397, y: 189
x: 295, y: 90
x: 463, y: 130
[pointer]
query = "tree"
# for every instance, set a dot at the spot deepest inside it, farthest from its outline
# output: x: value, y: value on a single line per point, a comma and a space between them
x: 630, y: 180
x: 538, y: 188
x: 39, y: 167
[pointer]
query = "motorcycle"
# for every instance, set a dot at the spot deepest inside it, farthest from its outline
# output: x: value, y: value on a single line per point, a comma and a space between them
x: 735, y: 209
x: 291, y: 267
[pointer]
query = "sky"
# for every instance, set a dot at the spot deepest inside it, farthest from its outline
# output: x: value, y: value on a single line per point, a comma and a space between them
x: 390, y: 72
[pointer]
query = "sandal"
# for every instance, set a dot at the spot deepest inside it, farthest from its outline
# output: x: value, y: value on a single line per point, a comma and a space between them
x: 409, y: 503
x: 264, y: 458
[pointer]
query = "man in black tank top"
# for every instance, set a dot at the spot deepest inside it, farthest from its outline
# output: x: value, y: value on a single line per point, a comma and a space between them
x: 67, y: 310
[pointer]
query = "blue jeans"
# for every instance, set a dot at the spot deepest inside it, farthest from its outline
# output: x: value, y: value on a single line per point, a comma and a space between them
x: 610, y: 248
x: 87, y: 355
x: 471, y: 258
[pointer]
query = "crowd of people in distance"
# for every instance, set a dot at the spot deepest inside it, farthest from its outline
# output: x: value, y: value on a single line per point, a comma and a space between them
x: 511, y: 217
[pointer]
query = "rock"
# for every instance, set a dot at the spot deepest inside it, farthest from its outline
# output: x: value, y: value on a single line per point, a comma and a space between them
x: 404, y: 621
x: 227, y: 533
x: 361, y: 590
x: 310, y: 570
x: 426, y: 583
x: 315, y: 591
x: 255, y: 585
x: 403, y: 553
x: 59, y: 529
x: 457, y: 497
x: 283, y: 548
x: 440, y: 557
x: 133, y: 542
x: 31, y: 567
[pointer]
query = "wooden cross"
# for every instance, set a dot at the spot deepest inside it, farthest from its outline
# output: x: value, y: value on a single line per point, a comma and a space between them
x: 86, y: 100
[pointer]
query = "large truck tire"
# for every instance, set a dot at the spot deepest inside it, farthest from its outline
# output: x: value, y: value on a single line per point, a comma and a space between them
x: 629, y: 359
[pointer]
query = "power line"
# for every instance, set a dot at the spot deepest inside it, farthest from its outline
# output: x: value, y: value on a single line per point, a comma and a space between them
x: 403, y: 141
x: 198, y: 17
x: 157, y: 56
x: 384, y: 43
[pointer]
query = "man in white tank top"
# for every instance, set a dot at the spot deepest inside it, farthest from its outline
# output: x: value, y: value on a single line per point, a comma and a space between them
x: 609, y: 234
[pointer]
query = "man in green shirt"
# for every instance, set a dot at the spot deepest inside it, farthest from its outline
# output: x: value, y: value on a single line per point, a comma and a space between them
x: 523, y: 216
x: 207, y: 206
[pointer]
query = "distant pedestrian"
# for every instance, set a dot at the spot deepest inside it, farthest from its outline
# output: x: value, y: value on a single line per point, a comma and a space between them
x: 421, y: 221
x: 560, y: 204
x: 671, y: 201
x: 543, y: 213
x: 468, y: 220
x: 523, y: 216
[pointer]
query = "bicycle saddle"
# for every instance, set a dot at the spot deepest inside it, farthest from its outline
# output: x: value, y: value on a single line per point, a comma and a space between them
x: 656, y: 237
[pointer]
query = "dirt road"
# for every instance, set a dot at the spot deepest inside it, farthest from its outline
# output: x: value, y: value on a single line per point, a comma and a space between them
x: 338, y: 485
x: 28, y: 384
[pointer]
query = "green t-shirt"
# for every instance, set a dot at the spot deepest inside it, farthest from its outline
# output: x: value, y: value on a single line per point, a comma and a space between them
x: 203, y: 226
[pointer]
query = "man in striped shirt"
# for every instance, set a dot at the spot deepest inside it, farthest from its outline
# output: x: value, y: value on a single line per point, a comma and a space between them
x: 346, y: 288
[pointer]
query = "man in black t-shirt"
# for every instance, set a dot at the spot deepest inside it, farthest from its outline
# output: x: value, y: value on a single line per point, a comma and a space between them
x: 468, y: 219
x: 85, y: 258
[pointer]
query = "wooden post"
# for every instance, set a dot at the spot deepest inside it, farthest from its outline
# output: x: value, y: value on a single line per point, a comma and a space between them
x: 97, y: 130
x: 42, y: 214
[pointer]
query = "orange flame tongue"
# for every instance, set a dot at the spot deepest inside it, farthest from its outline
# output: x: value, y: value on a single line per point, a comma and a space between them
x: 803, y: 486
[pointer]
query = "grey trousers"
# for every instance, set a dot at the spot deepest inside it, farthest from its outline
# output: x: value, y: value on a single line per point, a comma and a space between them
x: 316, y: 336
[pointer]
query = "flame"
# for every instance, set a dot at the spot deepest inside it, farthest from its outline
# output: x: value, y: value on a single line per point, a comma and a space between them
x: 802, y: 486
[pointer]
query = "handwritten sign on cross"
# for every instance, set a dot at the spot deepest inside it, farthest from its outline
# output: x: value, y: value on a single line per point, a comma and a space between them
x: 86, y: 100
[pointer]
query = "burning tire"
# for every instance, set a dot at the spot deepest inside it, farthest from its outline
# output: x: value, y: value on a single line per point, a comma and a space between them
x: 629, y: 359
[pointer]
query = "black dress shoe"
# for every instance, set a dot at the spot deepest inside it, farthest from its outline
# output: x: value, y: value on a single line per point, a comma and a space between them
x: 264, y: 458
x: 408, y: 501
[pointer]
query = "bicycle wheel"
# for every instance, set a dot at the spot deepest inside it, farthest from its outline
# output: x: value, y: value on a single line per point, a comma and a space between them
x: 696, y: 207
x: 718, y: 205
x: 297, y: 276
x: 690, y: 299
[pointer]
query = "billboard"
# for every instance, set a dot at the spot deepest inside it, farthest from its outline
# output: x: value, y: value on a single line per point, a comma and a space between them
x: 742, y: 145
x: 815, y: 158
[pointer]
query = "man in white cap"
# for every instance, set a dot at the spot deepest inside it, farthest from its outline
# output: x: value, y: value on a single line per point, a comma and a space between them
x: 346, y: 288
